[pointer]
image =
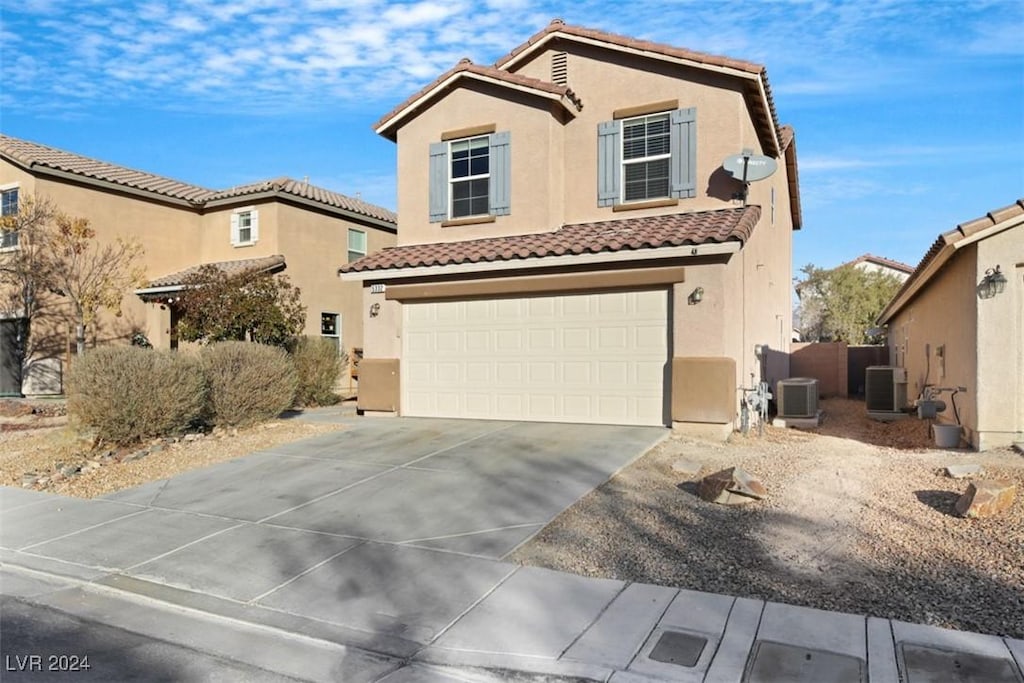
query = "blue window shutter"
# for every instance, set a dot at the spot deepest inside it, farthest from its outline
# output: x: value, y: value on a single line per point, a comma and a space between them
x: 683, y: 143
x: 609, y: 159
x: 500, y: 199
x: 438, y: 181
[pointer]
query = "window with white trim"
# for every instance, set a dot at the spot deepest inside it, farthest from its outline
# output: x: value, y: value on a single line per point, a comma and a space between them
x: 8, y: 207
x: 244, y: 227
x: 330, y: 328
x: 469, y: 176
x: 356, y: 244
x: 645, y: 157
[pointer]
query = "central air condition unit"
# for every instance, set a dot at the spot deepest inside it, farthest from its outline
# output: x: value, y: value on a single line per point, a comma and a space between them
x: 885, y: 388
x: 798, y: 397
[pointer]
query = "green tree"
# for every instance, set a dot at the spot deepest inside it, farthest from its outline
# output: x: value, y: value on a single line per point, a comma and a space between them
x: 251, y: 305
x: 841, y: 304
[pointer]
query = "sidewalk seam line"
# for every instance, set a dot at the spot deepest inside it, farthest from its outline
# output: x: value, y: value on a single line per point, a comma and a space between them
x: 466, y: 611
x: 182, y: 547
x: 593, y: 621
x: 253, y: 601
x: 78, y: 531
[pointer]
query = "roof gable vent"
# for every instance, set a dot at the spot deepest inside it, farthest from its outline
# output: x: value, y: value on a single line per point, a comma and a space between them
x: 559, y: 68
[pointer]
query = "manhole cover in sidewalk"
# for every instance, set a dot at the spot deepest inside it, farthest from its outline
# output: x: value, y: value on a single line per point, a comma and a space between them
x: 922, y: 664
x: 682, y: 649
x: 771, y: 662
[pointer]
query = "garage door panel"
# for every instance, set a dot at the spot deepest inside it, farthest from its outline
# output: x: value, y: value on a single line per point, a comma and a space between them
x: 580, y: 358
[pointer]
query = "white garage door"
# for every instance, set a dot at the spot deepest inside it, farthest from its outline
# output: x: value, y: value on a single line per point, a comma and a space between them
x: 597, y: 358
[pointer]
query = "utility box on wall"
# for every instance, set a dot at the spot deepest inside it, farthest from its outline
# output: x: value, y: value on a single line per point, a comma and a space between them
x: 704, y: 390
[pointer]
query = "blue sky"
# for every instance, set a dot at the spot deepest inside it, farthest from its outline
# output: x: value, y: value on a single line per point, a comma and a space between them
x: 909, y: 115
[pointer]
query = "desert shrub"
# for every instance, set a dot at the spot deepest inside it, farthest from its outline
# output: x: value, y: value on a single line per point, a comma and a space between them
x: 130, y: 393
x: 247, y: 382
x: 318, y: 366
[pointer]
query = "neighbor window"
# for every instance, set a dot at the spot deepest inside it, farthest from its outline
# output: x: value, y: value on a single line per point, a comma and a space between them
x: 470, y: 176
x: 244, y: 227
x: 330, y: 328
x: 8, y: 207
x: 645, y: 157
x: 356, y: 244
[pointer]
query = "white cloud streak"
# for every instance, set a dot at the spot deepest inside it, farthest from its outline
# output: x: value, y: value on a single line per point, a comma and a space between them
x: 281, y: 56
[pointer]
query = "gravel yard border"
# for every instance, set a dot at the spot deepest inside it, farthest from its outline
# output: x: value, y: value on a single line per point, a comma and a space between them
x: 849, y: 525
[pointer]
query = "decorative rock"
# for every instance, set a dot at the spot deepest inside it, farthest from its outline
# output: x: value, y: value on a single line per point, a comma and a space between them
x: 687, y: 468
x: 136, y: 455
x: 29, y: 479
x: 732, y: 486
x: 986, y: 498
x: 68, y: 470
x: 962, y: 471
x: 193, y: 436
x: 156, y: 448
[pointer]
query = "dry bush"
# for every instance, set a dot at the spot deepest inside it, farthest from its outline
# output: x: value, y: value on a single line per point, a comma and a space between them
x: 127, y: 394
x: 318, y: 366
x: 248, y: 383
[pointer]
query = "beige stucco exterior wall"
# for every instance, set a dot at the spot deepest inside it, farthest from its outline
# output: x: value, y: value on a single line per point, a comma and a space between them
x: 536, y: 170
x: 1000, y: 395
x: 944, y: 315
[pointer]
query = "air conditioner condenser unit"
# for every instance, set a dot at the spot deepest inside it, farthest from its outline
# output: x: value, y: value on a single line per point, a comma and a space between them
x: 885, y: 388
x: 797, y: 397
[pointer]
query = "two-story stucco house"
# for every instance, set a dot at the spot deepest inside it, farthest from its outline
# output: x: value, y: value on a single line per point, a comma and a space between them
x: 267, y: 226
x: 570, y: 247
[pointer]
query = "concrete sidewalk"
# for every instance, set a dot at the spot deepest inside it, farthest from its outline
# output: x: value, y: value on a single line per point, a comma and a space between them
x: 378, y: 549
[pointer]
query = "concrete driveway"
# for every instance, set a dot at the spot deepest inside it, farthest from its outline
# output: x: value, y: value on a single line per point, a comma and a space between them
x: 392, y: 527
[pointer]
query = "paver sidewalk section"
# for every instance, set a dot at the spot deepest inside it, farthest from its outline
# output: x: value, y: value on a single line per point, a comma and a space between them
x: 386, y: 539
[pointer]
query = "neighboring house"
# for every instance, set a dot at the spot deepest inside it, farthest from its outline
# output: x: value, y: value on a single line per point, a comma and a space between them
x: 879, y: 264
x: 569, y: 245
x: 270, y: 225
x: 958, y: 321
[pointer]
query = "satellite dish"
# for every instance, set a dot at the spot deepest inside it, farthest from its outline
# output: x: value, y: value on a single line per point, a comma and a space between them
x: 748, y: 167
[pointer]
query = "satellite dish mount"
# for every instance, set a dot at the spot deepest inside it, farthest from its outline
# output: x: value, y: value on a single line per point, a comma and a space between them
x: 748, y: 167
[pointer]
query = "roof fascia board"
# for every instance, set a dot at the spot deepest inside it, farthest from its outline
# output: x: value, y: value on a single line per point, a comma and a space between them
x: 946, y: 253
x: 685, y: 251
x: 168, y: 289
x: 507, y: 66
x: 114, y: 187
x: 425, y: 97
x: 775, y: 132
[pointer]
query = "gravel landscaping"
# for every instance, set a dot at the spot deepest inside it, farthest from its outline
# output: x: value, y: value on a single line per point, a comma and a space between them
x: 859, y: 518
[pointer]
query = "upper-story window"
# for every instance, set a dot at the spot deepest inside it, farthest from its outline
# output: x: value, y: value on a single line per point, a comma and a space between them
x: 470, y: 175
x: 647, y: 155
x: 8, y: 207
x: 245, y: 226
x: 356, y: 244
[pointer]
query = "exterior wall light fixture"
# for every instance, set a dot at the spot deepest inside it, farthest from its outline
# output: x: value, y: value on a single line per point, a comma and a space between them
x: 696, y: 296
x: 993, y: 283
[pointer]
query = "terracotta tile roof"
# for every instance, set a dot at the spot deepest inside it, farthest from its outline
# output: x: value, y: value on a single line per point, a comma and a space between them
x: 882, y: 261
x: 467, y: 67
x: 787, y: 139
x: 948, y: 239
x: 264, y: 264
x: 631, y: 234
x: 763, y: 106
x: 558, y: 26
x: 35, y: 154
x: 305, y: 190
x: 32, y: 154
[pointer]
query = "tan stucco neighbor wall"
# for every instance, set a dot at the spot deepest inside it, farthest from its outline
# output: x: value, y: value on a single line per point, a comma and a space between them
x: 943, y: 316
x: 1000, y: 400
x: 174, y: 236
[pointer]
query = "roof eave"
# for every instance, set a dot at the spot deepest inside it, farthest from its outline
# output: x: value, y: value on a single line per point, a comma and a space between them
x: 41, y: 169
x: 389, y: 127
x: 953, y: 241
x: 622, y: 256
x: 276, y: 194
